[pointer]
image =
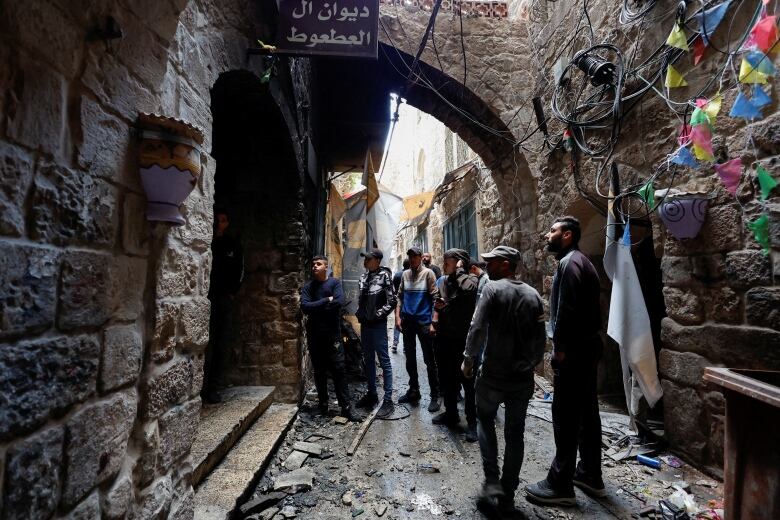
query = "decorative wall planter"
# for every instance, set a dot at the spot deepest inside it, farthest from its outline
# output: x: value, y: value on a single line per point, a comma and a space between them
x: 169, y: 165
x: 684, y: 215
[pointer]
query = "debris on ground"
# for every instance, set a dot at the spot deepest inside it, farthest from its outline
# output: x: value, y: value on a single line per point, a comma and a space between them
x: 301, y: 479
x: 295, y: 460
x: 308, y: 447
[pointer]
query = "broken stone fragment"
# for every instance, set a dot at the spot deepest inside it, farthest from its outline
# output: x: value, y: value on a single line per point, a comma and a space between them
x: 340, y: 420
x: 262, y: 503
x: 288, y: 512
x: 347, y: 498
x: 295, y: 481
x: 308, y: 447
x: 295, y: 460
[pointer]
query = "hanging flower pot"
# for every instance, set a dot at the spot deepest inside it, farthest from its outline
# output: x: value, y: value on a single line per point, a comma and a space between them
x: 684, y: 215
x: 169, y: 165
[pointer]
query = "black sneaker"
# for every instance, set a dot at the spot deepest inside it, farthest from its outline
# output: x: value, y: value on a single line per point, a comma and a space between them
x: 434, y: 405
x: 591, y: 486
x: 395, y: 349
x: 349, y: 414
x: 543, y: 493
x: 386, y: 410
x: 491, y: 489
x: 471, y: 433
x: 506, y: 505
x: 446, y: 419
x: 411, y: 396
x: 367, y: 401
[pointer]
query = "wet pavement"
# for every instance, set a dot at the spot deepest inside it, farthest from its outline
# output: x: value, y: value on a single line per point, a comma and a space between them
x: 409, y: 468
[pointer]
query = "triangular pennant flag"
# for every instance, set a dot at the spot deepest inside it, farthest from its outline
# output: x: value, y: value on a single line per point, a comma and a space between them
x: 760, y: 98
x: 745, y: 109
x: 647, y: 193
x: 701, y: 136
x: 760, y: 229
x: 703, y: 152
x: 712, y: 108
x: 677, y: 38
x: 683, y: 157
x: 685, y: 135
x: 730, y: 173
x: 699, y: 48
x: 674, y: 79
x: 764, y: 33
x: 700, y: 117
x: 747, y: 74
x: 710, y: 19
x: 761, y: 62
x: 765, y: 181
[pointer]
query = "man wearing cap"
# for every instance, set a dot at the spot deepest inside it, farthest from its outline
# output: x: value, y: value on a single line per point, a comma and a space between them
x: 575, y: 323
x: 509, y: 322
x: 413, y: 315
x: 452, y: 313
x: 375, y: 303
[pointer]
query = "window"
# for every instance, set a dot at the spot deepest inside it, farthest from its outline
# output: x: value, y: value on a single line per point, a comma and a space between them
x: 421, y: 240
x: 461, y: 230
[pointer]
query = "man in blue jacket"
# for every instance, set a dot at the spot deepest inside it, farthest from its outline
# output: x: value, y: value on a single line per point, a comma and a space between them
x: 321, y: 301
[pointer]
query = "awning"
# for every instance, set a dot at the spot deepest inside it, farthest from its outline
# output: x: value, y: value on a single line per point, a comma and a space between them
x: 451, y: 178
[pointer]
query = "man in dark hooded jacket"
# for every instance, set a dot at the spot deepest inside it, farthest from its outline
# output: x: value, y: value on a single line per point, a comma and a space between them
x: 375, y: 303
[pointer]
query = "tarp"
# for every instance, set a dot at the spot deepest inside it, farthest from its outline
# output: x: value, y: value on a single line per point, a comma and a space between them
x: 334, y: 250
x: 383, y: 221
x: 355, y: 222
x: 417, y: 205
x: 369, y: 181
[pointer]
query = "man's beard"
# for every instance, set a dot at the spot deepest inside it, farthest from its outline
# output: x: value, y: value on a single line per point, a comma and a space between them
x: 554, y: 246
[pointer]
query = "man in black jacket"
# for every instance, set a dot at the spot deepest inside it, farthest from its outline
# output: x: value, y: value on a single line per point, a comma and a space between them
x: 321, y: 301
x: 375, y: 303
x: 452, y: 314
x: 575, y: 322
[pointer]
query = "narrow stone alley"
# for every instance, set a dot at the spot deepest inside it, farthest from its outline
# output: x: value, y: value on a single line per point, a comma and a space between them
x: 407, y: 468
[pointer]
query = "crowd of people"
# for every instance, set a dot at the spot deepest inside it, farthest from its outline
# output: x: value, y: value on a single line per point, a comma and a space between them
x: 480, y: 339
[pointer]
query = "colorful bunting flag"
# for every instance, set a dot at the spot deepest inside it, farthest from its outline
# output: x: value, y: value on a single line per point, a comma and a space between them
x: 761, y: 62
x: 764, y: 33
x: 712, y: 108
x: 701, y: 135
x: 684, y: 157
x: 760, y: 98
x: 703, y: 152
x: 730, y: 173
x: 744, y: 109
x: 710, y: 19
x: 747, y: 74
x: 765, y: 181
x: 760, y: 229
x: 677, y: 38
x: 674, y: 79
x: 700, y: 117
x: 647, y: 193
x: 699, y: 48
x: 685, y: 135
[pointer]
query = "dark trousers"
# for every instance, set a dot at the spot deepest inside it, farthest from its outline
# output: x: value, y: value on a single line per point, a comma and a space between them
x: 576, y: 423
x: 449, y: 357
x: 412, y: 330
x: 515, y: 396
x: 216, y: 350
x: 327, y: 355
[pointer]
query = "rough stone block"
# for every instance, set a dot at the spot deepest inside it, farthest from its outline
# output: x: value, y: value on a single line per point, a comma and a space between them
x: 183, y: 507
x: 166, y: 316
x: 71, y: 207
x: 684, y: 419
x: 290, y: 354
x: 177, y: 274
x: 97, y: 444
x: 291, y: 306
x: 117, y: 500
x: 278, y: 331
x: 683, y: 306
x: 146, y: 467
x: 262, y: 354
x: 85, y: 298
x: 685, y: 368
x: 676, y: 270
x: 155, y: 501
x: 280, y: 375
x: 128, y: 280
x: 204, y: 275
x: 197, y: 210
x: 121, y: 357
x: 724, y: 305
x: 89, y: 509
x: 135, y: 228
x: 709, y: 269
x: 36, y: 115
x: 285, y: 283
x: 265, y: 308
x: 263, y: 260
x: 104, y: 147
x: 746, y: 269
x: 716, y: 438
x: 28, y: 288
x: 168, y: 388
x: 194, y: 320
x: 715, y: 402
x: 15, y: 177
x: 177, y: 431
x: 762, y: 307
x: 33, y: 470
x: 44, y: 378
x: 198, y: 361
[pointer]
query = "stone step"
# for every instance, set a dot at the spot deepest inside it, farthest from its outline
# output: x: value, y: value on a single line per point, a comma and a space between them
x: 237, y: 475
x: 221, y: 425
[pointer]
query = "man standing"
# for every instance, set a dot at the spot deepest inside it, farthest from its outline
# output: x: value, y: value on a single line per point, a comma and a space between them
x: 509, y: 322
x: 575, y: 322
x: 376, y: 301
x: 453, y: 312
x: 227, y: 272
x: 426, y: 260
x: 321, y: 300
x: 396, y: 284
x: 478, y: 270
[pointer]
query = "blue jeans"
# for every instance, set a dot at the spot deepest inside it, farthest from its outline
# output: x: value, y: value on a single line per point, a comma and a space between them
x: 515, y: 396
x: 374, y: 340
x: 396, y: 335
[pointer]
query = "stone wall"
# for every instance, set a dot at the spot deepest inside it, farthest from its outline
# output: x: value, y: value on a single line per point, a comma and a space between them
x: 103, y: 316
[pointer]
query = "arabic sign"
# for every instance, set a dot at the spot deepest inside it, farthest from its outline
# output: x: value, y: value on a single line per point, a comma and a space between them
x: 333, y: 28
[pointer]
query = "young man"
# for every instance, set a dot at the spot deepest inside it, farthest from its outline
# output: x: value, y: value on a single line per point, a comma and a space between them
x: 413, y: 316
x: 478, y: 270
x: 426, y: 260
x: 452, y: 315
x: 396, y: 284
x: 509, y: 322
x: 321, y: 301
x: 227, y: 272
x: 376, y: 302
x: 575, y: 322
